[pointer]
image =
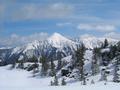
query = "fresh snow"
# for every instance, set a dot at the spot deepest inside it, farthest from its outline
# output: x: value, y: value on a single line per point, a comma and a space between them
x: 105, y: 50
x: 21, y: 58
x: 22, y: 80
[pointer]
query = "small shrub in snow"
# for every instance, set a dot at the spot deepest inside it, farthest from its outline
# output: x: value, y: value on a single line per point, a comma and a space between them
x: 92, y: 82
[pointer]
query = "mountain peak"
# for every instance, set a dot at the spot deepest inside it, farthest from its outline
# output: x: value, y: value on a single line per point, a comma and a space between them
x: 56, y: 37
x: 56, y: 34
x: 58, y: 40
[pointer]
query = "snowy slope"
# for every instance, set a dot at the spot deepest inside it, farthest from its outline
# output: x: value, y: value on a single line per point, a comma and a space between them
x: 22, y: 80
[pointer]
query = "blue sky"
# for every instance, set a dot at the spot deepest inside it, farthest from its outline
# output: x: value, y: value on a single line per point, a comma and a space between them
x: 27, y: 18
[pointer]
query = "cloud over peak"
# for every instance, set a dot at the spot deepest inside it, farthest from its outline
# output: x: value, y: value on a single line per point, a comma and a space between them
x: 97, y: 27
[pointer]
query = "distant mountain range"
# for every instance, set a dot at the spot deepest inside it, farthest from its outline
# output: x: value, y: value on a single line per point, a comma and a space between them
x: 53, y: 47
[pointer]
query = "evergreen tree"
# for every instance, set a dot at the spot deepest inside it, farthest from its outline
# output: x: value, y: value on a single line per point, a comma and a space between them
x: 84, y: 81
x: 34, y: 59
x: 34, y: 71
x: 63, y: 82
x: 103, y: 75
x: 52, y: 67
x: 105, y: 43
x: 51, y: 83
x: 118, y: 46
x: 13, y: 65
x: 45, y: 66
x: 113, y: 50
x: 92, y: 82
x: 59, y: 65
x: 21, y: 64
x: 56, y: 83
x: 35, y: 68
x: 105, y: 58
x: 116, y: 77
x: 95, y: 63
x: 80, y: 60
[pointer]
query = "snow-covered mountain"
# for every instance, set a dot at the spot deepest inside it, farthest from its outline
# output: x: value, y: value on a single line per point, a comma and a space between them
x: 56, y: 41
x: 91, y: 42
x: 54, y: 46
x: 51, y: 47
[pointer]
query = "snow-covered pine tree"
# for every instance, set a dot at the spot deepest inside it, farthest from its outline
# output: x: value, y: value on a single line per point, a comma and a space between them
x: 59, y: 64
x: 51, y: 83
x: 33, y: 59
x: 21, y: 64
x: 35, y: 68
x: 13, y: 65
x: 113, y: 49
x: 95, y: 63
x: 84, y: 81
x: 45, y: 65
x: 52, y: 69
x: 105, y: 44
x: 92, y: 81
x: 80, y: 60
x: 105, y: 58
x: 56, y: 83
x: 103, y: 75
x: 116, y: 76
x: 63, y: 82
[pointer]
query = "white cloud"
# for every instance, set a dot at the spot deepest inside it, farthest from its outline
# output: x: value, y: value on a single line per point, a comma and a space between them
x: 36, y: 11
x: 86, y: 36
x: 36, y: 36
x: 112, y: 35
x: 16, y: 40
x: 97, y: 27
x: 63, y: 24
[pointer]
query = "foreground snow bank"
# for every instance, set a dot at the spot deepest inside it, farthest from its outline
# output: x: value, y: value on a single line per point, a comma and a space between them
x: 93, y: 87
x: 23, y: 80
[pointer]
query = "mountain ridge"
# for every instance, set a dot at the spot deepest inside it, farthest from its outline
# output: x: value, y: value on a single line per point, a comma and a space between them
x: 54, y: 45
